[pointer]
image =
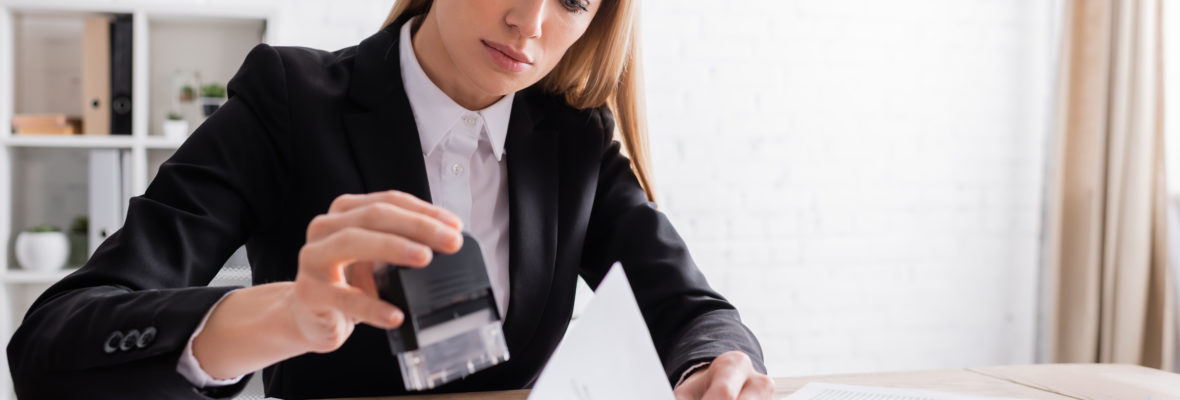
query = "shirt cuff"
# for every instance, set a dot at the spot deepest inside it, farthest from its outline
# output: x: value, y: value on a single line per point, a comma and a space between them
x: 191, y: 369
x: 689, y: 371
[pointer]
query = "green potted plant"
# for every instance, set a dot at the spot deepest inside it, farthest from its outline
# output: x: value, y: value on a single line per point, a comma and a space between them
x: 212, y: 97
x: 42, y: 248
x: 79, y: 240
x: 187, y: 93
x: 175, y: 127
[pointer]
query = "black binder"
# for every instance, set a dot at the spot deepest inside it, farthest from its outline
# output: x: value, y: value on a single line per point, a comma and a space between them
x: 121, y: 58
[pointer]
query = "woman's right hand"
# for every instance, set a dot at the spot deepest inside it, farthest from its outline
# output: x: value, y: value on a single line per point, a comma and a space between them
x: 334, y: 288
x: 255, y: 327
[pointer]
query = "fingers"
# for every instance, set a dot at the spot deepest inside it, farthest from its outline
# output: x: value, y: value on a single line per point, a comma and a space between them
x: 733, y: 377
x: 326, y: 314
x: 757, y: 387
x: 360, y: 275
x: 401, y: 199
x: 726, y: 384
x: 361, y: 307
x: 325, y: 259
x: 335, y: 287
x: 392, y: 219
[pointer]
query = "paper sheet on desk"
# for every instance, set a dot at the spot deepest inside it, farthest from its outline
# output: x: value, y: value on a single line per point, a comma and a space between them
x: 831, y: 391
x: 608, y: 354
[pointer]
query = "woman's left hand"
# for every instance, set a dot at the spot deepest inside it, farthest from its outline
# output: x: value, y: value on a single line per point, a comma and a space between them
x: 731, y: 376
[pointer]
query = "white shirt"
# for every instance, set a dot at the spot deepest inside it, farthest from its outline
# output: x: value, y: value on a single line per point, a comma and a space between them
x: 464, y: 155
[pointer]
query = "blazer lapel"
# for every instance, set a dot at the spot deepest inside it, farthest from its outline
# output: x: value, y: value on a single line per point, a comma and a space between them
x: 532, y: 201
x: 388, y: 153
x: 382, y: 134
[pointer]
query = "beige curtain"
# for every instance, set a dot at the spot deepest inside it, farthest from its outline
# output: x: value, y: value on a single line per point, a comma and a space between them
x: 1108, y: 288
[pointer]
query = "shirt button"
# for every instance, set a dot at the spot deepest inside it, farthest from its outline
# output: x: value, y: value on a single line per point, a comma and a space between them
x: 457, y: 169
x: 470, y: 120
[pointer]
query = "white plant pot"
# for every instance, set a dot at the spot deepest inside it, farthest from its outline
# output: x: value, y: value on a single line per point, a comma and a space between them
x: 175, y: 129
x: 42, y: 251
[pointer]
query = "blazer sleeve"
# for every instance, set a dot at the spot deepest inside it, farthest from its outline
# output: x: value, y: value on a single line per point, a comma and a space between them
x: 689, y: 322
x: 117, y: 325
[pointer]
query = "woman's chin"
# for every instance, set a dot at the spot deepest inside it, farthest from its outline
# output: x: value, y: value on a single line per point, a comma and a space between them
x: 501, y: 84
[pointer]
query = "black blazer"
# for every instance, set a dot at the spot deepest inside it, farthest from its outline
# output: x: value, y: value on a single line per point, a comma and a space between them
x: 302, y: 127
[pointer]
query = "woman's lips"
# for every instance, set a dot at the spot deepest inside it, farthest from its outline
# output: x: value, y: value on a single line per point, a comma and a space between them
x: 506, y: 57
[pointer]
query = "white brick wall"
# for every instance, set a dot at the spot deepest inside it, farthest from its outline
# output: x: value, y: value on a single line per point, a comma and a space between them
x: 326, y: 24
x: 862, y: 178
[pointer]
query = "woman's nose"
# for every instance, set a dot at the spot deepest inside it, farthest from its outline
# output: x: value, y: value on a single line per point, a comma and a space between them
x: 526, y: 17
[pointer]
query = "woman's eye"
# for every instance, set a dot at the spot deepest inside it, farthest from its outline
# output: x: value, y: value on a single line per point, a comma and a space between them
x: 576, y: 5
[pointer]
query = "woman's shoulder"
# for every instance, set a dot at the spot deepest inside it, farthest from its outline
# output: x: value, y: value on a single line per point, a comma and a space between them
x: 283, y: 69
x: 311, y: 62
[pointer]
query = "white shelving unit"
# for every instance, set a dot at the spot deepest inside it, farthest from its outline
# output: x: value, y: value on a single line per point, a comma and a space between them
x: 69, y: 142
x: 234, y: 26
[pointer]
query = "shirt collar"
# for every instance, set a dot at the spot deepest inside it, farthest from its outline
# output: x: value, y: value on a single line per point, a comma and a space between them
x: 435, y: 112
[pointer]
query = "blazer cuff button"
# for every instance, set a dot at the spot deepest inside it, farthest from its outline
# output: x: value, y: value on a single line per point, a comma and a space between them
x: 146, y: 337
x: 112, y: 342
x: 129, y: 340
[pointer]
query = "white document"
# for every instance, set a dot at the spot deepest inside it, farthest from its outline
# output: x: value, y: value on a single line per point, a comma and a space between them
x: 831, y: 391
x: 608, y: 354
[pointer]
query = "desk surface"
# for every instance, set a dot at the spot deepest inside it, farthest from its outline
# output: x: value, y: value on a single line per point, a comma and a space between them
x: 1048, y: 382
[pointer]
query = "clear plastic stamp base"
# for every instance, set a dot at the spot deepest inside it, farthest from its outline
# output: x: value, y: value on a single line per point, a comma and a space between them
x: 453, y: 358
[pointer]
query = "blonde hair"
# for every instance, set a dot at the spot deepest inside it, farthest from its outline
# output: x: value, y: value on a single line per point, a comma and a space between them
x: 602, y: 68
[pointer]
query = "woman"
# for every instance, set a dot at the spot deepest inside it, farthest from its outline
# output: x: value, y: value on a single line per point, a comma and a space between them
x: 500, y: 111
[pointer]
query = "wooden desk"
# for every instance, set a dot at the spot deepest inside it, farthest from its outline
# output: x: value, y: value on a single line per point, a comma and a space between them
x: 1047, y: 382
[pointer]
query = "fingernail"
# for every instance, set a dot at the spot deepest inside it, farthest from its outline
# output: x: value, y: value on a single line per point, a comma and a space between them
x: 417, y: 252
x: 447, y: 237
x: 396, y: 316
